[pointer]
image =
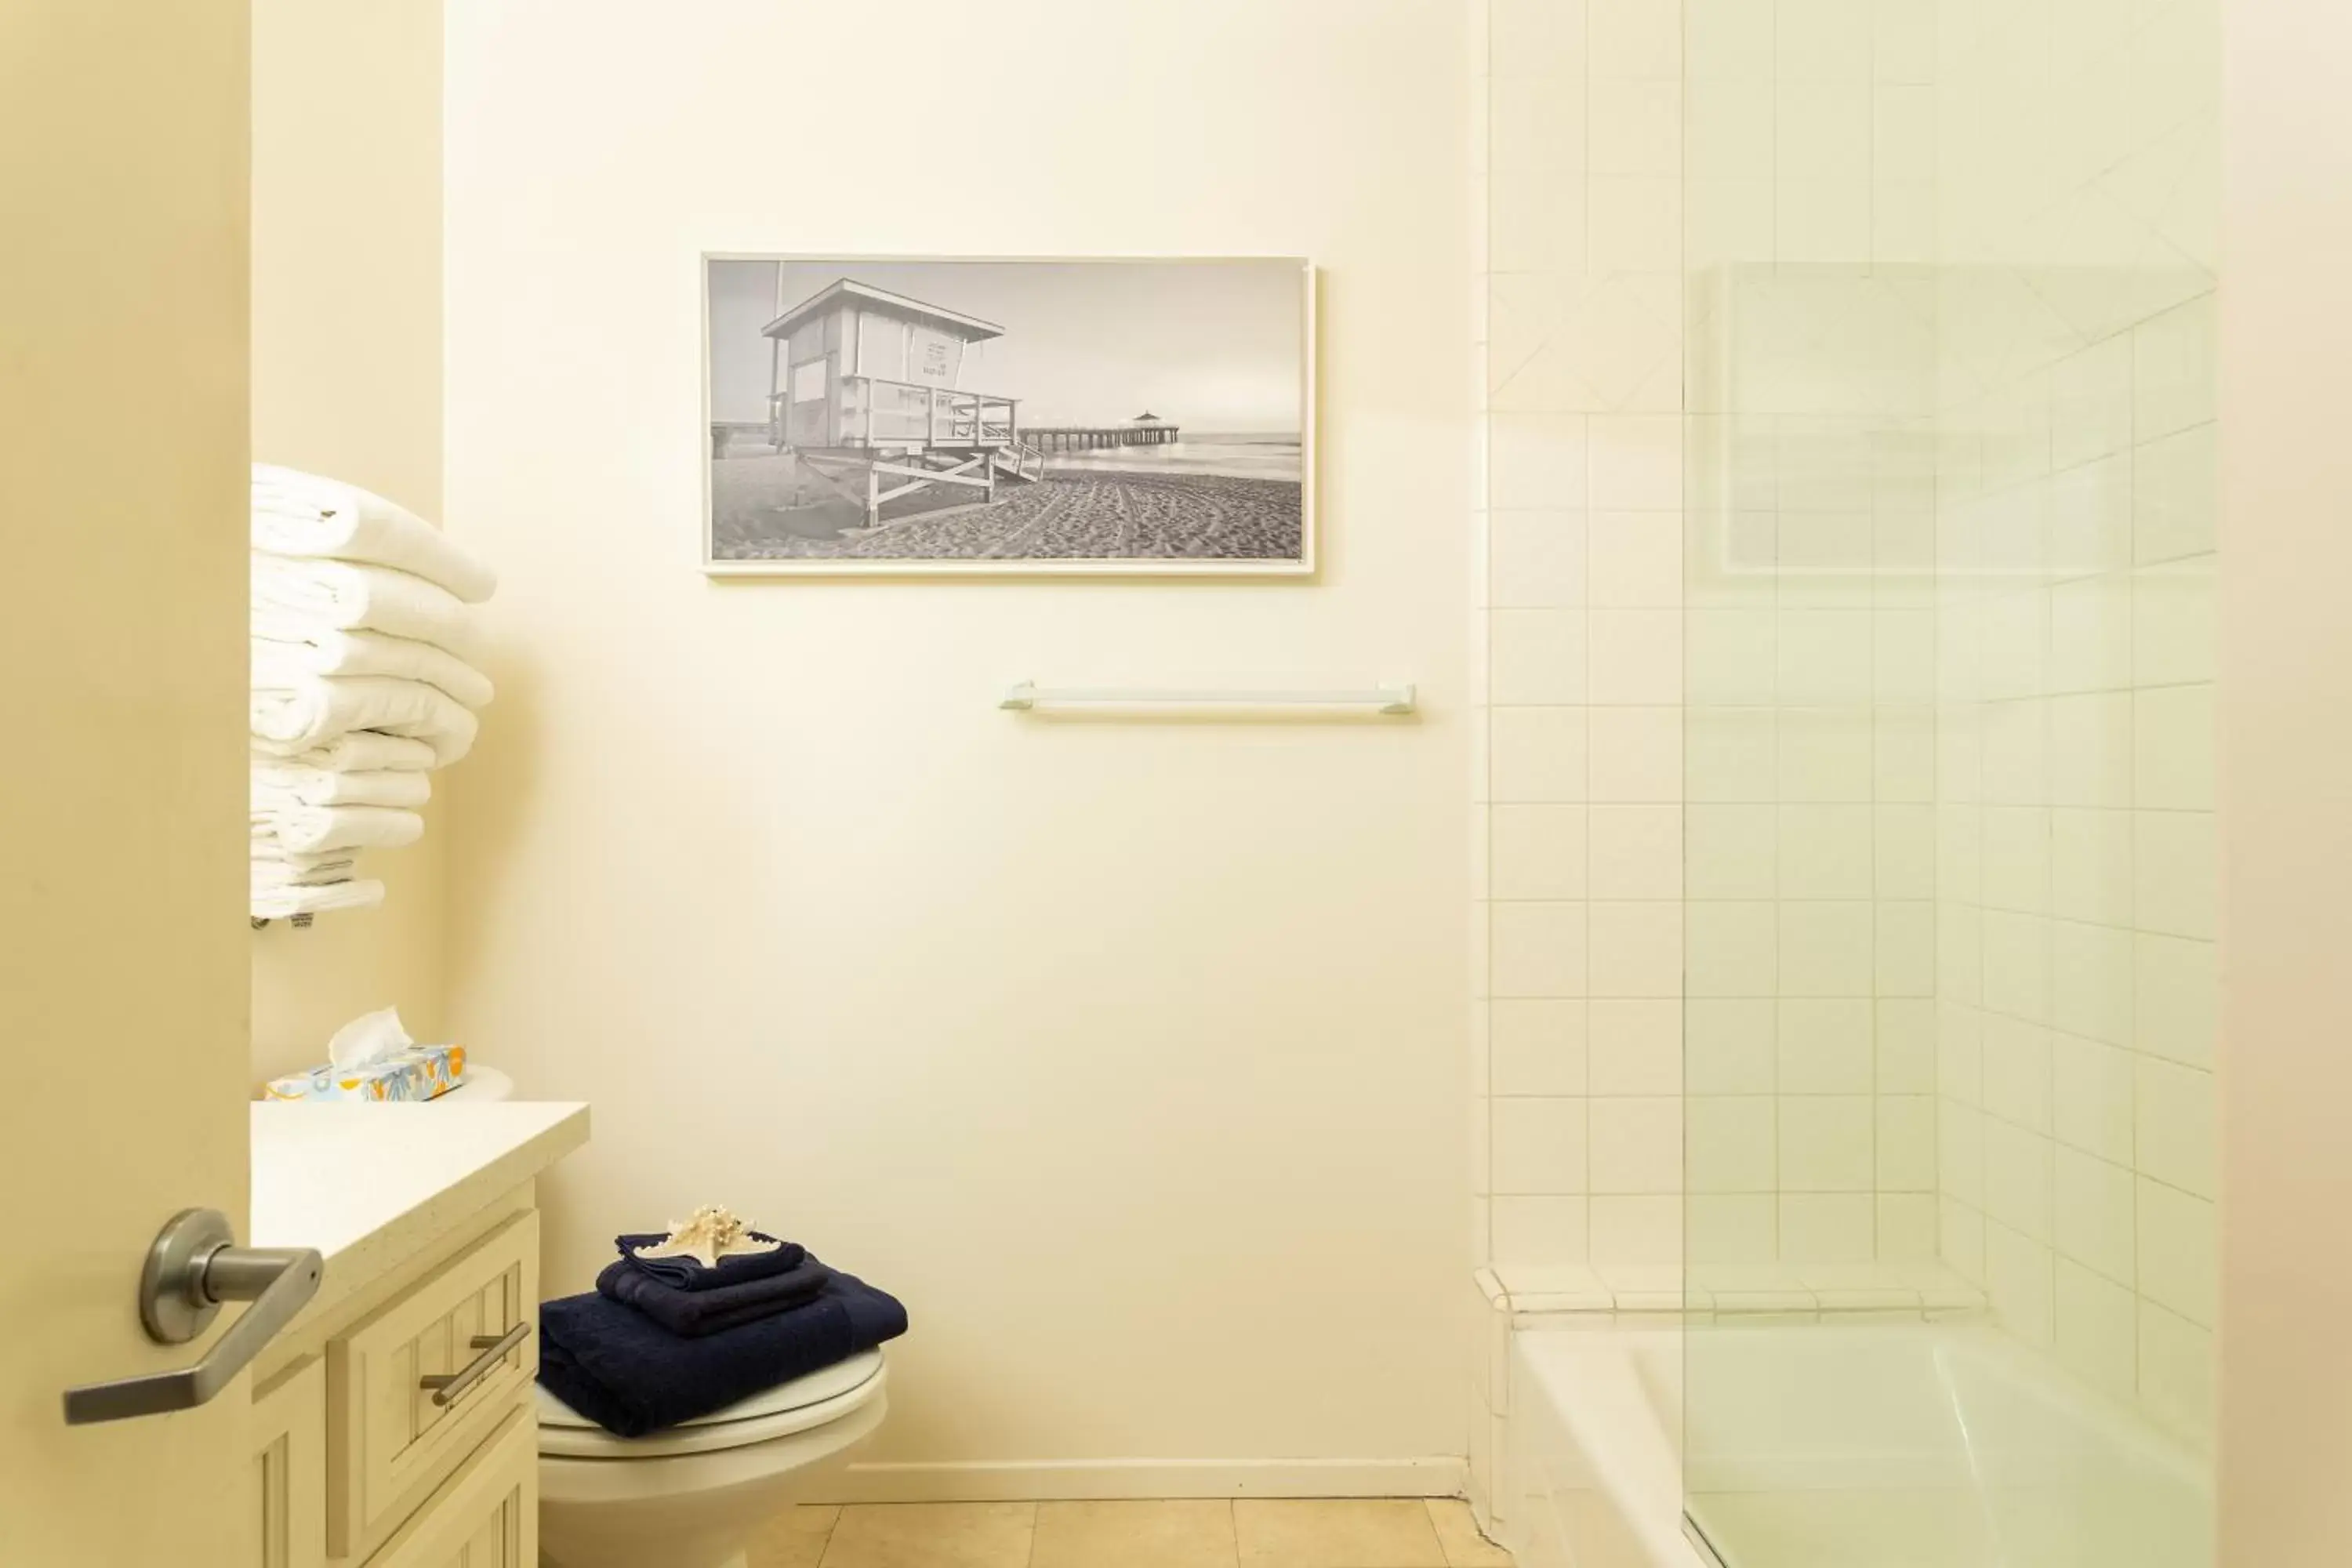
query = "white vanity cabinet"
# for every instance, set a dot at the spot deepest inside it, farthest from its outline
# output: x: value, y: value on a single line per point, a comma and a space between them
x: 392, y: 1423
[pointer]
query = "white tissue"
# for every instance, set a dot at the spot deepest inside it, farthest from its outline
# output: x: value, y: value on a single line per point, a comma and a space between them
x: 370, y: 1037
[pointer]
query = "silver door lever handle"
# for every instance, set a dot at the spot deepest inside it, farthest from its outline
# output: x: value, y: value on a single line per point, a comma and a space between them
x: 192, y: 1267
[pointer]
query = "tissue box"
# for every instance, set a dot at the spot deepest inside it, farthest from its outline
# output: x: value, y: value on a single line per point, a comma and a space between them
x: 420, y: 1072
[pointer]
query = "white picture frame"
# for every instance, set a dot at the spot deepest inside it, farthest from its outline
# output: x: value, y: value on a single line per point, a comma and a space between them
x: 864, y: 444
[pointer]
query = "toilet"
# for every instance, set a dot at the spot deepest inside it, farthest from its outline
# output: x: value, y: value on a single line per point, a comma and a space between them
x: 694, y: 1496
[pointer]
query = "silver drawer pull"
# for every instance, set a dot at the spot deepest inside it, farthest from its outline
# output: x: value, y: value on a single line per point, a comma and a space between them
x: 447, y: 1388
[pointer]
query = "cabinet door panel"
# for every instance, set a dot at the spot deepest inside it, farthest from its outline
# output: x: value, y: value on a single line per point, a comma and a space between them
x: 485, y: 1516
x: 290, y: 1468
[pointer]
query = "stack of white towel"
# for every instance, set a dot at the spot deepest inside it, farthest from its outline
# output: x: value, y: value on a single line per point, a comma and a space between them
x: 362, y: 682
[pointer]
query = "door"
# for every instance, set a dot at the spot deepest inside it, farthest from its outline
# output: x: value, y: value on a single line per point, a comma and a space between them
x: 123, y: 938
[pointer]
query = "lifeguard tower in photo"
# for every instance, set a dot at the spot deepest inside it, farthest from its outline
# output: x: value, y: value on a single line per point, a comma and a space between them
x: 864, y: 392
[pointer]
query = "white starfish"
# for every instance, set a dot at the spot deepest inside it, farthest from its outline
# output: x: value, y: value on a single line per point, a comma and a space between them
x: 712, y: 1234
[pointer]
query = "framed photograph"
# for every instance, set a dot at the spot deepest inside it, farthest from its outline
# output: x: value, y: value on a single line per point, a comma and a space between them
x: 871, y: 416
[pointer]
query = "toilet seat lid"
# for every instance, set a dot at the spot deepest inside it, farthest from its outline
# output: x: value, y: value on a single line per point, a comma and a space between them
x: 818, y: 1387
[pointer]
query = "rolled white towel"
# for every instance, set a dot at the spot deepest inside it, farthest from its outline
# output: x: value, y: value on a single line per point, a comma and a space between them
x: 327, y: 651
x: 317, y: 829
x: 292, y: 598
x: 275, y: 903
x: 361, y: 752
x: 295, y: 513
x: 279, y: 784
x: 315, y: 708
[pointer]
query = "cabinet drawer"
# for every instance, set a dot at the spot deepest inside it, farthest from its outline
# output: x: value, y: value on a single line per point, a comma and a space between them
x: 390, y: 1442
x: 485, y: 1516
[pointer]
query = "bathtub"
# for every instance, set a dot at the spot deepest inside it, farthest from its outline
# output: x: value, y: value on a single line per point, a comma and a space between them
x: 1910, y: 1445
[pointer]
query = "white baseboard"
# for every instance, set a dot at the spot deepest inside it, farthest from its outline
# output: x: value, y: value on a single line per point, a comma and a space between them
x: 1045, y: 1479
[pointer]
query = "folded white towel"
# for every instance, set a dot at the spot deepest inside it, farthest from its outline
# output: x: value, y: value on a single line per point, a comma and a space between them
x: 326, y: 651
x: 361, y: 752
x: 278, y: 784
x: 306, y: 870
x: 295, y: 513
x: 316, y: 829
x: 293, y: 598
x: 315, y: 708
x: 275, y: 903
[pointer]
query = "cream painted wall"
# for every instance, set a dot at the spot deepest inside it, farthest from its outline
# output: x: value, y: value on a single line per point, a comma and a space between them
x: 1130, y: 1055
x: 2286, y: 775
x: 347, y: 381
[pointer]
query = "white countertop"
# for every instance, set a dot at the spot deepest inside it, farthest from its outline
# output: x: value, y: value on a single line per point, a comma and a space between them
x: 369, y: 1185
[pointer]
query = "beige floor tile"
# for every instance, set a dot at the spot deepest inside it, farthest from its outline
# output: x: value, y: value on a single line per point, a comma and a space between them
x: 1373, y: 1533
x: 1174, y: 1534
x: 794, y: 1538
x: 933, y: 1535
x: 1458, y: 1533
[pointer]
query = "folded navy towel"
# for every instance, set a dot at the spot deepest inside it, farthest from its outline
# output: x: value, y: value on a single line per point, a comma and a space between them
x: 695, y: 1313
x: 689, y: 1274
x: 630, y: 1375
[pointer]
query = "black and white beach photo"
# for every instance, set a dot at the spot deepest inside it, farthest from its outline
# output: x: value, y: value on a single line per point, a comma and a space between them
x: 895, y: 414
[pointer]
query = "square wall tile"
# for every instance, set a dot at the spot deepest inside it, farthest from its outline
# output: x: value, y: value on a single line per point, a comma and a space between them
x: 1906, y: 1045
x: 2092, y: 1213
x: 1637, y: 1230
x: 1826, y: 949
x: 1730, y: 851
x: 1636, y: 950
x: 2177, y: 1247
x: 1637, y: 1145
x: 2173, y: 757
x: 1535, y: 657
x: 1538, y: 950
x: 1536, y: 1047
x: 2091, y: 981
x: 2177, y: 1127
x: 1827, y: 1144
x: 2176, y: 997
x: 1732, y: 1229
x: 1730, y: 753
x: 1536, y: 852
x: 1636, y: 460
x: 2091, y: 865
x: 1637, y: 755
x: 1535, y: 461
x: 2173, y: 636
x: 1635, y: 126
x: 1536, y: 560
x: 1733, y: 1143
x: 1826, y: 851
x: 1636, y: 852
x: 1826, y: 1046
x: 1734, y: 949
x: 1906, y: 1143
x: 1639, y: 38
x: 1728, y: 1046
x: 1636, y: 1047
x: 1539, y: 1146
x: 1907, y: 1228
x: 1635, y: 658
x: 1536, y: 754
x: 1828, y: 1228
x: 2017, y: 1179
x: 2020, y: 1284
x: 1636, y: 560
x: 2093, y: 1098
x: 1538, y: 1232
x: 2177, y: 1370
x: 2097, y: 1329
x: 2174, y: 876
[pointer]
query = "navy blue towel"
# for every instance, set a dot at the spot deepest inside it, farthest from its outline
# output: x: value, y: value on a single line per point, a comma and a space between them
x: 631, y: 1376
x: 695, y: 1313
x: 689, y: 1274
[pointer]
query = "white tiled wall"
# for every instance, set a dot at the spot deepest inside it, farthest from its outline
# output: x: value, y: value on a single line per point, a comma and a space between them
x: 1846, y: 613
x: 2075, y: 823
x: 1581, y: 628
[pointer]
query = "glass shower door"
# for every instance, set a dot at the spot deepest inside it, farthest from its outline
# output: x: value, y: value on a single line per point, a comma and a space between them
x: 1950, y: 432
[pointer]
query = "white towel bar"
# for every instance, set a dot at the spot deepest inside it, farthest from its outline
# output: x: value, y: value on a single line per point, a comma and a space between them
x: 1028, y: 695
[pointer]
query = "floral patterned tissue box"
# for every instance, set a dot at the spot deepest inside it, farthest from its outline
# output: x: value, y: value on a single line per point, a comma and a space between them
x: 420, y: 1072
